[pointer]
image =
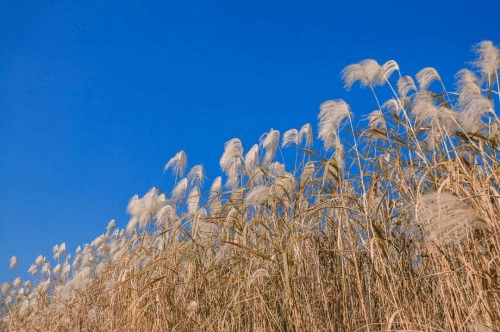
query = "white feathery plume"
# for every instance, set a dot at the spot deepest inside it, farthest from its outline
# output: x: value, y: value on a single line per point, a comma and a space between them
x: 111, y: 225
x: 252, y: 159
x: 233, y: 154
x: 472, y: 111
x: 338, y: 156
x: 57, y: 269
x: 231, y: 161
x: 388, y: 68
x: 46, y: 269
x: 178, y: 163
x: 405, y: 85
x: 5, y: 288
x: 353, y: 73
x: 488, y: 62
x: 468, y: 85
x: 62, y: 248
x: 215, y: 189
x: 445, y: 219
x: 376, y: 120
x: 33, y: 269
x: 165, y: 216
x: 424, y: 109
x: 196, y: 176
x: 308, y: 171
x: 332, y: 112
x: 426, y: 76
x: 40, y: 260
x: 257, y: 196
x: 277, y: 169
x: 290, y: 137
x: 306, y: 133
x: 283, y: 185
x: 367, y: 72
x: 258, y: 177
x: 16, y: 283
x: 193, y: 200
x: 180, y: 189
x: 13, y: 262
x: 270, y: 142
x: 142, y: 210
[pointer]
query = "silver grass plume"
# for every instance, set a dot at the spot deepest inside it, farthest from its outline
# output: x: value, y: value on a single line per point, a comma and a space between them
x: 468, y: 85
x: 270, y: 142
x: 283, y: 185
x: 446, y: 219
x: 472, y: 111
x: 308, y: 172
x: 406, y: 85
x: 215, y: 192
x: 178, y: 163
x: 13, y: 262
x: 306, y: 133
x: 426, y: 112
x: 33, y: 269
x: 426, y: 76
x: 290, y: 137
x: 196, y: 176
x: 277, y: 169
x: 332, y: 112
x: 376, y: 120
x: 193, y: 200
x: 180, y: 189
x: 368, y: 72
x: 231, y: 161
x: 165, y: 216
x: 388, y: 68
x: 488, y: 61
x: 252, y: 159
x: 257, y: 196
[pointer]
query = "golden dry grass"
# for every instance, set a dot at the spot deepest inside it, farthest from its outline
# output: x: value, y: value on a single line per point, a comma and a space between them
x: 405, y: 237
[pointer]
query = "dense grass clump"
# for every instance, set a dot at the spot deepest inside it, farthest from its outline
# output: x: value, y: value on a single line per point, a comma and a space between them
x: 393, y: 226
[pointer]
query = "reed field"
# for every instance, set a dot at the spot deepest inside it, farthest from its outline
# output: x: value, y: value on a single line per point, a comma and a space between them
x: 391, y: 223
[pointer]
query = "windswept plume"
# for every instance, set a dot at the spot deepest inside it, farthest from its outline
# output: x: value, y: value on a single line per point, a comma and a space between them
x: 290, y: 137
x: 257, y: 196
x: 196, y: 176
x: 488, y: 61
x: 368, y: 72
x: 332, y: 112
x: 388, y: 68
x: 376, y: 120
x: 178, y: 163
x: 405, y: 85
x: 194, y: 200
x: 143, y: 209
x: 165, y: 216
x: 252, y: 159
x: 445, y: 219
x: 269, y: 142
x: 180, y: 189
x: 426, y: 76
x: 231, y: 161
x: 468, y: 86
x: 13, y: 262
x: 306, y: 133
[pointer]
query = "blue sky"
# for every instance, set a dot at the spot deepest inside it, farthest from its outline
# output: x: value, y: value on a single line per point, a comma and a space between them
x: 96, y: 96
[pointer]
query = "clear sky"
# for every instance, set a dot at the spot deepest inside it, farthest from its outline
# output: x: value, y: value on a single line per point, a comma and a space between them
x: 96, y: 96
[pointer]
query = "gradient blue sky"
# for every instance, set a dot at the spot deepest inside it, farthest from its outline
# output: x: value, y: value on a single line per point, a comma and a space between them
x: 96, y: 96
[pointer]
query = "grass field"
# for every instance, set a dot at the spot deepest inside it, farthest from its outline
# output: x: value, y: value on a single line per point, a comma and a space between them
x: 391, y: 226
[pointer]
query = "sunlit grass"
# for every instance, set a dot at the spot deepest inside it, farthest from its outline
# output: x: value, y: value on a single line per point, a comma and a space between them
x: 392, y: 226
